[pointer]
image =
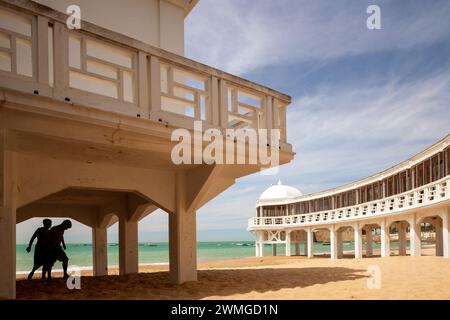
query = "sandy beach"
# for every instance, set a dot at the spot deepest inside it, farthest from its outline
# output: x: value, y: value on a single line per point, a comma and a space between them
x: 426, y: 277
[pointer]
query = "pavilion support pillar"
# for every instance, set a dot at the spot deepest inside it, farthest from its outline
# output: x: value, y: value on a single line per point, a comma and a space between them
x: 288, y: 243
x: 259, y: 243
x: 369, y: 241
x: 310, y: 243
x: 182, y: 237
x: 401, y: 229
x: 274, y: 249
x: 100, y: 251
x: 358, y: 241
x: 128, y: 246
x: 339, y: 244
x: 414, y: 236
x: 445, y: 233
x: 439, y: 242
x: 8, y: 206
x: 297, y: 249
x: 385, y: 240
x: 333, y: 243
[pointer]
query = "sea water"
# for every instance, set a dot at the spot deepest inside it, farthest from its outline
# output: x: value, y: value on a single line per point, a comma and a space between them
x: 158, y: 253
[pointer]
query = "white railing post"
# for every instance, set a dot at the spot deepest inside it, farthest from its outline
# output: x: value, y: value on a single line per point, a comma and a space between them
x: 142, y: 84
x: 61, y: 65
x: 155, y: 85
x: 223, y: 104
x: 42, y: 50
x: 215, y: 101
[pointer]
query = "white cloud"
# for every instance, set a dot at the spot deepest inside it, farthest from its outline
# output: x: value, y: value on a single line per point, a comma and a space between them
x: 240, y: 36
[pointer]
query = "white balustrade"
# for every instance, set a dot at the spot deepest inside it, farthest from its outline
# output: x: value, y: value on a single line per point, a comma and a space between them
x: 428, y: 194
x: 102, y: 69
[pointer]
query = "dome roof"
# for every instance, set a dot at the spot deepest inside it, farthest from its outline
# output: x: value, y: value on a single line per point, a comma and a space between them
x: 280, y: 192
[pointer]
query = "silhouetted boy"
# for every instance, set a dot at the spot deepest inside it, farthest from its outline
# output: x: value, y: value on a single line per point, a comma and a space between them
x: 40, y: 250
x: 55, y: 252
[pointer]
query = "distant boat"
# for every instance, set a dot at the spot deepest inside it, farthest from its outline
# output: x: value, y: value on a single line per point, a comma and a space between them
x: 148, y: 244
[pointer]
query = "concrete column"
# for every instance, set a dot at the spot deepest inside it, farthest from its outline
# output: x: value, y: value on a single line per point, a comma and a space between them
x: 274, y: 249
x: 439, y: 244
x: 288, y: 243
x: 339, y: 245
x: 401, y: 228
x: 8, y: 204
x: 261, y: 244
x: 182, y: 238
x: 333, y: 243
x: 414, y: 237
x: 445, y: 233
x: 257, y: 243
x: 297, y: 248
x: 310, y: 243
x: 128, y: 247
x: 369, y: 241
x: 358, y: 241
x: 385, y: 240
x: 100, y: 251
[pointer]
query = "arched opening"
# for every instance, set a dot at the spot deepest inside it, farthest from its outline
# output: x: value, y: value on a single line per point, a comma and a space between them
x: 112, y: 247
x: 77, y: 241
x: 321, y: 242
x: 431, y: 236
x: 399, y: 239
x: 371, y: 240
x: 345, y: 240
x: 299, y: 243
x: 153, y: 239
x: 273, y: 238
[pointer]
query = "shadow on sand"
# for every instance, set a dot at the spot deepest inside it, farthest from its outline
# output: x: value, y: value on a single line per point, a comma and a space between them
x: 217, y: 283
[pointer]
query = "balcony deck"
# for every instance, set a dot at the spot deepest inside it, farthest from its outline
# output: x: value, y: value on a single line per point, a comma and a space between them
x: 101, y: 69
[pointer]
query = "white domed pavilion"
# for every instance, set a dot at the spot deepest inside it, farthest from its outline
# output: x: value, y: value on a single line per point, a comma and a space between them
x: 279, y: 192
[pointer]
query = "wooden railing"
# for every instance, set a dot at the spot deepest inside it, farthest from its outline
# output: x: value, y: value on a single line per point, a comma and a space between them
x: 106, y: 70
x: 431, y: 193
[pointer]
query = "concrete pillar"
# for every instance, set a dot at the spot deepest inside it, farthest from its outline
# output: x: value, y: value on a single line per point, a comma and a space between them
x: 358, y: 241
x: 401, y: 229
x: 310, y: 243
x: 333, y: 243
x: 445, y: 233
x: 339, y: 244
x: 182, y: 238
x: 369, y: 241
x: 128, y: 247
x: 274, y: 249
x: 257, y: 243
x: 439, y: 244
x: 297, y: 248
x: 288, y: 243
x: 261, y: 244
x: 8, y: 204
x: 414, y: 237
x: 385, y: 240
x: 100, y: 251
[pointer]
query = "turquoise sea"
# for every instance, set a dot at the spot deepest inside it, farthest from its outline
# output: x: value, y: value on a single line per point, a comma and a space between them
x: 158, y: 253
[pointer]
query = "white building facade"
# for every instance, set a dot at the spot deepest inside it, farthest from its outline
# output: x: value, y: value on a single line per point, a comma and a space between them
x: 398, y: 204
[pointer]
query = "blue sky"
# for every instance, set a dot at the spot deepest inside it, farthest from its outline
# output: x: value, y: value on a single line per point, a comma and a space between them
x: 363, y: 99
